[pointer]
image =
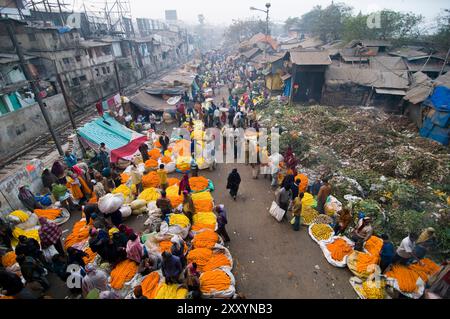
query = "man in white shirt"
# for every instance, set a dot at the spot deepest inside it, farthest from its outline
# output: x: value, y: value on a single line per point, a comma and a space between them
x: 405, y: 252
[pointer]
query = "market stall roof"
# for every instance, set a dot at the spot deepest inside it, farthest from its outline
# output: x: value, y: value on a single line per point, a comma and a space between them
x: 163, y: 89
x: 355, y: 59
x: 179, y: 77
x: 250, y: 53
x: 310, y: 57
x: 387, y: 63
x: 119, y: 140
x: 390, y: 91
x: 149, y: 102
x: 421, y: 88
x: 427, y: 67
x: 367, y: 77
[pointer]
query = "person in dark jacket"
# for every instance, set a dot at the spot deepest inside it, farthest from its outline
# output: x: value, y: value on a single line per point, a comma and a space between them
x: 171, y: 267
x: 164, y: 141
x: 48, y: 178
x: 75, y: 256
x: 33, y: 270
x: 28, y: 247
x: 143, y: 149
x: 233, y: 182
x: 27, y: 199
x: 295, y: 188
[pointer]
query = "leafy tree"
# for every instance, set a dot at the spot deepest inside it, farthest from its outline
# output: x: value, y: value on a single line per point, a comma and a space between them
x: 244, y: 29
x: 393, y: 25
x: 291, y: 22
x: 326, y: 23
x: 442, y: 36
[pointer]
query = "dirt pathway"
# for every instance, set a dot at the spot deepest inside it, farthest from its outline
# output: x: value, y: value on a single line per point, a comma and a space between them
x: 272, y: 260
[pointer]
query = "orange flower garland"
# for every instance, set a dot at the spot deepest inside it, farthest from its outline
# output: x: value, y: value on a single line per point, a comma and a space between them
x: 339, y: 249
x: 198, y: 184
x: 205, y: 239
x: 173, y: 180
x: 150, y: 285
x: 91, y: 256
x: 51, y: 214
x: 151, y: 163
x: 123, y: 273
x: 9, y: 259
x: 80, y: 232
x: 155, y: 154
x: 150, y: 180
x: 214, y: 280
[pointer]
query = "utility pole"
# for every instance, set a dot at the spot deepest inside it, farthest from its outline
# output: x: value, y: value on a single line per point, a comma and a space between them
x: 66, y: 98
x: 24, y: 64
x: 116, y: 71
x: 60, y: 13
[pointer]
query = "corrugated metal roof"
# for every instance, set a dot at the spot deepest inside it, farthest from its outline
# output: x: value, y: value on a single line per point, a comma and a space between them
x: 150, y: 102
x: 376, y: 43
x: 421, y: 88
x: 179, y: 76
x: 114, y: 136
x: 367, y: 77
x: 355, y: 59
x: 409, y: 53
x: 311, y: 43
x: 391, y: 91
x: 429, y: 67
x: 387, y: 63
x: 250, y: 53
x: 310, y: 57
x: 443, y: 80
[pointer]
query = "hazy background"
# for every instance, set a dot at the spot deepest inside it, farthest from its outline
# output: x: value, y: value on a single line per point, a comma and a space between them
x: 224, y: 11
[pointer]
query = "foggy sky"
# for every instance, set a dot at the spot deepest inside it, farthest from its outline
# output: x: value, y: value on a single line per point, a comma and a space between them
x: 224, y: 11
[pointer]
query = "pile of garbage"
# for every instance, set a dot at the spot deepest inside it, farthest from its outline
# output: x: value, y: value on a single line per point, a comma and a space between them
x: 376, y: 159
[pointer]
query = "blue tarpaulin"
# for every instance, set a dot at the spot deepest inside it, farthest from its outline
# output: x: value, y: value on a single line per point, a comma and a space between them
x: 440, y: 99
x: 287, y: 87
x: 434, y: 132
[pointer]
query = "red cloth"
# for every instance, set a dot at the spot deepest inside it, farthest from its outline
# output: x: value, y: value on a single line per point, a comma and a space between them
x: 181, y: 108
x: 99, y: 107
x: 128, y: 149
x: 111, y: 102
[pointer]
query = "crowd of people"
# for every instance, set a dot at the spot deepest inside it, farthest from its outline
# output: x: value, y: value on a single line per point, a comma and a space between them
x: 78, y: 185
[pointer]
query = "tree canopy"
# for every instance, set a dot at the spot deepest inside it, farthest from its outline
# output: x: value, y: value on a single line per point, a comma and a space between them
x: 337, y: 21
x: 244, y: 29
